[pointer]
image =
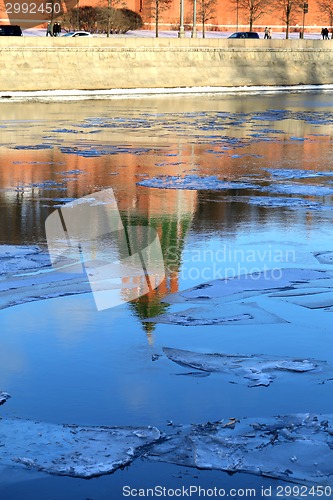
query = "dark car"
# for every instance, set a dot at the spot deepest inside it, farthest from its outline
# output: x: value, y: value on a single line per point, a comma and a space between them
x: 10, y: 30
x: 244, y: 34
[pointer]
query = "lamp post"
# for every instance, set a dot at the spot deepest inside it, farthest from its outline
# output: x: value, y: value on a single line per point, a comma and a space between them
x: 194, y: 28
x: 109, y: 20
x: 305, y: 11
x: 181, y: 33
x: 78, y: 14
x: 237, y: 15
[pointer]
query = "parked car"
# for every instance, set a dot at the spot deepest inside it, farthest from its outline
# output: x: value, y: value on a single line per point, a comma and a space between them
x: 77, y: 33
x: 244, y: 34
x: 10, y: 30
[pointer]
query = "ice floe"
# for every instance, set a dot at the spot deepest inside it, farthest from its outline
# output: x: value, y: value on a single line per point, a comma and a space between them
x: 72, y: 450
x: 295, y: 173
x: 295, y: 448
x: 34, y: 147
x: 249, y: 299
x: 324, y: 257
x: 16, y: 258
x: 4, y: 396
x: 217, y: 314
x: 299, y: 189
x: 194, y: 182
x: 26, y: 275
x: 253, y: 370
x: 270, y: 201
x: 248, y: 285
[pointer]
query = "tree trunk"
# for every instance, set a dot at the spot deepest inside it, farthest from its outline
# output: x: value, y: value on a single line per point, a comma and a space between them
x: 287, y: 28
x: 251, y: 20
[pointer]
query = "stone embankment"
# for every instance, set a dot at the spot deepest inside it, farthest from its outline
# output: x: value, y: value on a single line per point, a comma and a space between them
x: 43, y: 63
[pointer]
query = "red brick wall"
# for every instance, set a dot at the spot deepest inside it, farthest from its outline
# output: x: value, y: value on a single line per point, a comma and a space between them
x: 224, y: 17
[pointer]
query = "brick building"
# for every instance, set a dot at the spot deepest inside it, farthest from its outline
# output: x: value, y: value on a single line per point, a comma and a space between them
x: 226, y: 15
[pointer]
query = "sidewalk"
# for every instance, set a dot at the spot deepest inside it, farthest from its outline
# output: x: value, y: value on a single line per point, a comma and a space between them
x: 174, y: 34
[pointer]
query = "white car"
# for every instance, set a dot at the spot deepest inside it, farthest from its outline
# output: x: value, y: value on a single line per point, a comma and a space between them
x: 78, y: 33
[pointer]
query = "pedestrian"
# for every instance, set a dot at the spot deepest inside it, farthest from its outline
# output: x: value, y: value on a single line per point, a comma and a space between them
x: 326, y: 34
x: 269, y: 33
x: 266, y: 32
x: 49, y: 29
x: 323, y: 33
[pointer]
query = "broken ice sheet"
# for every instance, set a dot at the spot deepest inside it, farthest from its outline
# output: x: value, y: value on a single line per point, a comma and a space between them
x: 294, y: 173
x: 277, y: 202
x: 71, y: 450
x: 252, y: 370
x: 251, y: 284
x: 217, y: 314
x: 194, y: 182
x: 299, y: 189
x: 295, y: 448
x: 324, y: 257
x: 4, y: 396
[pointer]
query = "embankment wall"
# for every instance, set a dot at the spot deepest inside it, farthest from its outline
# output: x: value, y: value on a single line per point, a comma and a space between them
x: 45, y: 63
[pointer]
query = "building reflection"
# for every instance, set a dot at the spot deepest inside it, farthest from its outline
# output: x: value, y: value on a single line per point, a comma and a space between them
x: 34, y: 180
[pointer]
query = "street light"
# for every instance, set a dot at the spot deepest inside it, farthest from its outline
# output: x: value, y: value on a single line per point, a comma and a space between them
x: 305, y: 11
x: 237, y: 15
x: 109, y: 20
x: 194, y: 28
x: 181, y: 33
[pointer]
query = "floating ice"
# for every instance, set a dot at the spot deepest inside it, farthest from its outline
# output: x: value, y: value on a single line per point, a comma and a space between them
x: 15, y: 258
x: 294, y: 173
x: 295, y: 448
x: 26, y: 275
x: 4, y: 396
x: 217, y: 314
x: 71, y: 172
x: 34, y: 147
x: 324, y: 257
x: 250, y: 284
x: 254, y: 370
x: 300, y: 189
x: 71, y: 450
x: 269, y: 201
x: 194, y: 182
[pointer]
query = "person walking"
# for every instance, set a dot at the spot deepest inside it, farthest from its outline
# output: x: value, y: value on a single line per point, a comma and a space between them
x: 49, y: 29
x: 269, y: 33
x: 266, y: 32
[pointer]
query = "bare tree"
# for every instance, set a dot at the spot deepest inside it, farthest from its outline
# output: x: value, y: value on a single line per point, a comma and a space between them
x: 156, y: 8
x: 205, y: 13
x: 326, y: 7
x: 253, y: 8
x: 289, y: 8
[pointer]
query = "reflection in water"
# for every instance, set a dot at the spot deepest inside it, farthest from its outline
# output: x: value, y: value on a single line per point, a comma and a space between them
x: 63, y: 361
x: 47, y: 159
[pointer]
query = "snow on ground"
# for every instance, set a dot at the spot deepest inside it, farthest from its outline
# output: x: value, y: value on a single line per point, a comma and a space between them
x: 174, y: 34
